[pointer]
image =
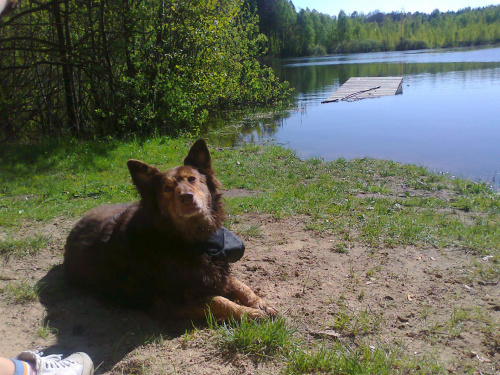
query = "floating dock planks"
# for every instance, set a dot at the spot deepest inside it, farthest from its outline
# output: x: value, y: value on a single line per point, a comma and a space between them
x: 357, y: 88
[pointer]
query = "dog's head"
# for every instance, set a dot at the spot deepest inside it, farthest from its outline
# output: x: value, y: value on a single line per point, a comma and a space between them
x: 185, y: 196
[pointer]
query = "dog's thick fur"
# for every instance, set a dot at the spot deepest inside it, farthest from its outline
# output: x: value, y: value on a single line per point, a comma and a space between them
x: 145, y: 255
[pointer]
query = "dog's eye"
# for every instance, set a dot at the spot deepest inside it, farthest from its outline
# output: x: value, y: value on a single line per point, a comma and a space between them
x: 167, y: 189
x: 191, y: 179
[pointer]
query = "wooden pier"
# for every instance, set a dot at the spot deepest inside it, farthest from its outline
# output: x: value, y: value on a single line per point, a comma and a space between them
x: 357, y: 88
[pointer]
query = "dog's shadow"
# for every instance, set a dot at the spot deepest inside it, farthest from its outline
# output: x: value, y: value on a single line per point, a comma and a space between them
x: 104, y: 331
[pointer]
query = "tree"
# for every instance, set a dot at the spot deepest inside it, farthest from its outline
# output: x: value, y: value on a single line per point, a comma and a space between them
x: 342, y: 27
x: 306, y: 32
x: 87, y: 67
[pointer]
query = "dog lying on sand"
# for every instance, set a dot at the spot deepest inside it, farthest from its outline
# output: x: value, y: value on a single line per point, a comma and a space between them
x: 150, y: 254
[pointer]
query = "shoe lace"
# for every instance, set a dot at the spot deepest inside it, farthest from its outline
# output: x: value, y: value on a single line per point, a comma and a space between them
x: 56, y: 361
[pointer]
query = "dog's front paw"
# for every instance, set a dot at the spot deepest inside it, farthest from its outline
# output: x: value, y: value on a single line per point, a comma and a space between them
x: 254, y: 313
x: 266, y: 307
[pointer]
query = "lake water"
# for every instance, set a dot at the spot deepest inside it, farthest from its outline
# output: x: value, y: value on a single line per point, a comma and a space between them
x: 447, y: 118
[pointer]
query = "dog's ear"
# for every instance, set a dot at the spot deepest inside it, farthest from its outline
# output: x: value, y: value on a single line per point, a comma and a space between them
x: 142, y: 176
x: 199, y: 156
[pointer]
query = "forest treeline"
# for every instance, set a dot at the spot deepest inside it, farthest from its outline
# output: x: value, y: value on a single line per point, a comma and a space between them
x: 308, y: 32
x: 90, y: 68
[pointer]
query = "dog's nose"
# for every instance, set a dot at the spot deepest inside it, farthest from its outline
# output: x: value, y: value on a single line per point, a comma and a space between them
x: 186, y: 198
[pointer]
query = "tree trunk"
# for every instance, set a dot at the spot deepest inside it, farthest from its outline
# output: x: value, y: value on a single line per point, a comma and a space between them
x: 66, y: 70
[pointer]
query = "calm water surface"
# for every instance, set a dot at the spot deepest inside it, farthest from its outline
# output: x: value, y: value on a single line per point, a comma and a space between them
x: 447, y: 119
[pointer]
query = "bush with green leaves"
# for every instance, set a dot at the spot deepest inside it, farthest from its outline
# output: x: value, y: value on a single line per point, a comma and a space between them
x: 89, y: 67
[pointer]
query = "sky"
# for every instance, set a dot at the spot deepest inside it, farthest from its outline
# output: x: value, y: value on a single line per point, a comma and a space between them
x: 333, y: 7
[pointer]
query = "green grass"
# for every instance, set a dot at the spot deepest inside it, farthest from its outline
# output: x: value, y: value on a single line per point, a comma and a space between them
x: 21, y: 292
x: 252, y: 231
x: 351, y: 324
x: 269, y: 338
x: 45, y: 331
x: 332, y: 194
x: 275, y: 340
x: 22, y: 247
x: 67, y: 178
x: 340, y: 360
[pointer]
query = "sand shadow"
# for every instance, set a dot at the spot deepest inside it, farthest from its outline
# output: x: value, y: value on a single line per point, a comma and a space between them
x: 105, y: 331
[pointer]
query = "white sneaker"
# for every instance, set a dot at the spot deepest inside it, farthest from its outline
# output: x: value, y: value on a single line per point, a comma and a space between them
x: 76, y: 364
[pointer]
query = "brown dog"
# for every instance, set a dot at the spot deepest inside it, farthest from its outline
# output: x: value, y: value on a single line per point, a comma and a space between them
x: 146, y: 254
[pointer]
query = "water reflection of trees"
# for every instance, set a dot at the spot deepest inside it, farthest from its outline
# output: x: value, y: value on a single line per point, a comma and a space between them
x: 236, y: 128
x: 311, y: 78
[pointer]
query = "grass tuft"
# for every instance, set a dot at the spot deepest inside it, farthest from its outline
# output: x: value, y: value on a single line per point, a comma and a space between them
x: 22, y: 292
x: 274, y: 340
x: 341, y: 360
x: 268, y: 338
x: 23, y: 247
x: 45, y: 331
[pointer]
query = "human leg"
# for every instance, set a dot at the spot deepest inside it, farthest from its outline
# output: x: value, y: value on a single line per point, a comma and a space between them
x: 7, y: 367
